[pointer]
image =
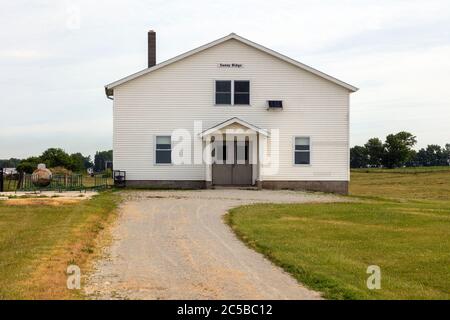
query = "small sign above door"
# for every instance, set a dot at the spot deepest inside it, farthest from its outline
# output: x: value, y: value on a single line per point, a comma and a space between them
x: 230, y: 65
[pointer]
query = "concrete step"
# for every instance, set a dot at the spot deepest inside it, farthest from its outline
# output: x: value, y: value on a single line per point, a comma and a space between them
x: 235, y: 187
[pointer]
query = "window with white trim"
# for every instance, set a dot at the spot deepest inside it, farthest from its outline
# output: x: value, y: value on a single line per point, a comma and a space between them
x: 163, y: 150
x: 302, y: 150
x: 230, y: 92
x: 241, y: 92
x: 223, y: 92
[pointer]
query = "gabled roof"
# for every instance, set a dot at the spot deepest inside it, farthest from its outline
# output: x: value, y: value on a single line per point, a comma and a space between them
x: 231, y: 121
x: 109, y: 88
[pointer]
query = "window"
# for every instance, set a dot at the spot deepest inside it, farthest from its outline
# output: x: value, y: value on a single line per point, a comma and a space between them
x: 223, y: 92
x: 241, y: 92
x: 163, y: 150
x: 302, y: 151
x: 230, y: 93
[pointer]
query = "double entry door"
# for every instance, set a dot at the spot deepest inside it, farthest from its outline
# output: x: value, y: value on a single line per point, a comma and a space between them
x: 232, y: 167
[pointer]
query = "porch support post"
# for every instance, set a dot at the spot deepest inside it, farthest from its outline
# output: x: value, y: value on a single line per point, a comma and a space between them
x: 258, y: 163
x: 208, y: 166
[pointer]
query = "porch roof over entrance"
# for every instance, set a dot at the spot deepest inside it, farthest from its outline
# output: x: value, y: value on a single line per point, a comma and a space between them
x: 233, y: 121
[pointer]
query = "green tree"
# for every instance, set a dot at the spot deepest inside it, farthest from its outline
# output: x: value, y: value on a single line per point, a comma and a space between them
x: 100, y: 159
x: 433, y: 155
x: 79, y: 162
x: 421, y: 158
x: 447, y: 153
x: 87, y: 162
x: 358, y: 157
x: 28, y: 165
x: 398, y: 149
x: 9, y: 163
x: 56, y: 157
x: 375, y: 151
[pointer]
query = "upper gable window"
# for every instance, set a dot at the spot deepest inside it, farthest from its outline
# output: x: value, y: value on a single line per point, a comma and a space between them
x: 241, y: 92
x: 223, y: 92
x: 233, y: 92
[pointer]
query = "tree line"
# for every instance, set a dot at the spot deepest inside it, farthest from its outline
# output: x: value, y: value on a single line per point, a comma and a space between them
x: 397, y: 151
x: 9, y: 163
x: 58, y: 158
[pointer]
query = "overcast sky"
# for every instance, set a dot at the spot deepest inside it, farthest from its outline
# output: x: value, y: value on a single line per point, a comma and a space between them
x: 56, y: 56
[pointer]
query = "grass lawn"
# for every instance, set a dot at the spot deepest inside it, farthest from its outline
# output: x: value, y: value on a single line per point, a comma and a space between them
x: 399, y: 220
x: 39, y: 241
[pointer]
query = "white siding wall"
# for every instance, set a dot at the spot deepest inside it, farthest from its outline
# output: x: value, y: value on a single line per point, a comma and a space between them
x: 177, y: 95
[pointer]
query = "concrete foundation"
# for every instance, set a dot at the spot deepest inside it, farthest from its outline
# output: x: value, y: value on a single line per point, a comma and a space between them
x: 166, y: 184
x: 339, y: 187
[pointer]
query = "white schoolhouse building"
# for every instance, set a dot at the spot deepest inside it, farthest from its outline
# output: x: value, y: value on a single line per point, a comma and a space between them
x: 231, y: 113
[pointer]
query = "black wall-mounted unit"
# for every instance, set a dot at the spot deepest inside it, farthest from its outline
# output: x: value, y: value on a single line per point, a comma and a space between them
x: 275, y: 104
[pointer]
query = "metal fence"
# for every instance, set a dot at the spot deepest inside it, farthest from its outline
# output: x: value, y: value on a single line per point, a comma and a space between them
x: 58, y: 183
x: 8, y: 182
x: 100, y: 181
x: 71, y: 182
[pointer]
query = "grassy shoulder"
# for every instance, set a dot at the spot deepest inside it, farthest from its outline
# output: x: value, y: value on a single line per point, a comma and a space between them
x: 38, y: 242
x: 328, y: 247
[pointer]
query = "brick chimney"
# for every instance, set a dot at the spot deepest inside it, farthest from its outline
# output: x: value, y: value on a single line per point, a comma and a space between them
x: 151, y: 48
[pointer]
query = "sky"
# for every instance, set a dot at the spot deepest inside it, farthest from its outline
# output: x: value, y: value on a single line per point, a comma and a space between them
x: 56, y: 56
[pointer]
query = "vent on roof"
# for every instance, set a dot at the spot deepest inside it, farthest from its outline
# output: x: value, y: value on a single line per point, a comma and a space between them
x: 275, y: 104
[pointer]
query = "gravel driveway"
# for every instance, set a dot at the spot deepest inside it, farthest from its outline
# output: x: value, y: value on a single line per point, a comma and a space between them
x: 175, y: 245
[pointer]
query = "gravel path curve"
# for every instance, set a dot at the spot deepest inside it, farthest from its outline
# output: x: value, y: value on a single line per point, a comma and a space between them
x: 175, y: 245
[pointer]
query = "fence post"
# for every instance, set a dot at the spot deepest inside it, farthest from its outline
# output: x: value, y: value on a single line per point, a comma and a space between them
x: 1, y: 179
x: 20, y: 181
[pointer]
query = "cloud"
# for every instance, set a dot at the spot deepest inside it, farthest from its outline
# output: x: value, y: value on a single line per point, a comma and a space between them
x: 87, y: 136
x: 102, y: 126
x: 22, y: 55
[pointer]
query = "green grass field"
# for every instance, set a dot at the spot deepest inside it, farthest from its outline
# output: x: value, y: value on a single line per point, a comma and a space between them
x: 40, y: 238
x: 398, y: 220
x: 426, y: 183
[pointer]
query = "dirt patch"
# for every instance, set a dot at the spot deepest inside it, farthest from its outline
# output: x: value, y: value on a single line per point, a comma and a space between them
x: 42, y: 201
x: 48, y: 281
